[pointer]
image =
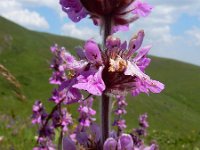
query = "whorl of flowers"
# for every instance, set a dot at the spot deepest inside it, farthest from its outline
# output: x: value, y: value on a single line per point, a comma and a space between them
x: 113, y: 70
x: 95, y: 67
x: 120, y: 12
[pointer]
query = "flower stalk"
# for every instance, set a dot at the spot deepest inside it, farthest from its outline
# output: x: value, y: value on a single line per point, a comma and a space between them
x: 107, y: 28
x: 105, y: 99
x: 105, y: 114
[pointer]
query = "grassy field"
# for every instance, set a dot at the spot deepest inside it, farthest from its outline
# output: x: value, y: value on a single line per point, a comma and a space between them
x: 174, y: 115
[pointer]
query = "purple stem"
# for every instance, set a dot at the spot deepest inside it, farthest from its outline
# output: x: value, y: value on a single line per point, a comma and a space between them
x: 107, y: 28
x: 105, y: 104
x: 105, y: 119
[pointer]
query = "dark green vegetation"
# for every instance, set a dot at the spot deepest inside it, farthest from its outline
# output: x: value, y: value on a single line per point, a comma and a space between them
x: 174, y: 115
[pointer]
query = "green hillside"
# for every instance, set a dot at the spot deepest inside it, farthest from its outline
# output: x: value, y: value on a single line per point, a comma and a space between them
x: 174, y: 115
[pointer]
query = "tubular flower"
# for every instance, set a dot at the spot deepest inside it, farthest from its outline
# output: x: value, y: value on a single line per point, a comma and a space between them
x: 121, y: 12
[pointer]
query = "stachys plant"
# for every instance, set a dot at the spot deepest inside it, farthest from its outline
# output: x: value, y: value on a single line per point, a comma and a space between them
x: 112, y: 69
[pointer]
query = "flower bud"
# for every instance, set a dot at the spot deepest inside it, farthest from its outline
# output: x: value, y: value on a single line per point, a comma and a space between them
x: 112, y: 42
x: 110, y: 144
x: 125, y: 142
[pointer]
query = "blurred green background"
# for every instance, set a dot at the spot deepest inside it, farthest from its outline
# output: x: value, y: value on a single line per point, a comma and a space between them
x: 174, y: 115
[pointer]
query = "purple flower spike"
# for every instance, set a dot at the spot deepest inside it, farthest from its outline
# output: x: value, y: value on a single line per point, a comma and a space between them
x: 92, y: 52
x: 141, y: 8
x: 143, y: 121
x: 110, y: 144
x: 74, y: 9
x: 38, y: 113
x: 125, y: 142
x: 119, y: 122
x: 86, y: 112
x: 66, y: 119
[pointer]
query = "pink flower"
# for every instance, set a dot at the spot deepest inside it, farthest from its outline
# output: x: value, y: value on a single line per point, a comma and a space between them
x: 147, y: 86
x: 98, y: 10
x: 125, y: 142
x: 135, y: 43
x: 92, y: 52
x: 91, y: 81
x: 141, y: 8
x: 74, y: 9
x: 110, y: 144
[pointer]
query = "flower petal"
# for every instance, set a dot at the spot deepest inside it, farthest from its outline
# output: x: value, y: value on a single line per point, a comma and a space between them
x: 71, y: 63
x: 110, y: 144
x: 141, y: 60
x: 91, y: 82
x: 70, y: 94
x: 92, y: 52
x: 155, y: 86
x: 125, y: 142
x: 142, y: 53
x: 120, y: 28
x: 133, y: 70
x: 147, y: 85
x: 135, y: 43
x: 74, y: 9
x: 141, y: 8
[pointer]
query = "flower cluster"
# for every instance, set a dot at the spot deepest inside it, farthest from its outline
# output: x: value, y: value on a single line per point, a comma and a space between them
x: 93, y: 71
x: 120, y: 110
x: 123, y: 11
x: 46, y: 133
x: 39, y: 113
x: 132, y: 141
x: 86, y: 112
x: 112, y: 70
x: 125, y: 142
x: 87, y: 133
